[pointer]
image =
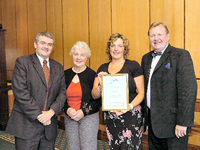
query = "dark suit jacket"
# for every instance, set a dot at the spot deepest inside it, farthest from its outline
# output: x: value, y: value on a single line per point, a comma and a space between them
x: 173, y: 91
x: 29, y: 87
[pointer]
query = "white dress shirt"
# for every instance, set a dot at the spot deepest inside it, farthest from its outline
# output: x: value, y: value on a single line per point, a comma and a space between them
x: 42, y: 59
x: 153, y: 65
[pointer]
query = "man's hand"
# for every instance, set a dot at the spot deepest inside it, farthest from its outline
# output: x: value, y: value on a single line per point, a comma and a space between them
x: 45, y: 117
x: 180, y: 131
x: 47, y: 123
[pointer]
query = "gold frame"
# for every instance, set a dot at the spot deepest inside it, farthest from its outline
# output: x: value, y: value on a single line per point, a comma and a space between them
x: 116, y: 80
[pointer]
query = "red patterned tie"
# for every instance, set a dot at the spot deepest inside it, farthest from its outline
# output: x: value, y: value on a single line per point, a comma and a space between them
x: 46, y: 72
x: 47, y: 75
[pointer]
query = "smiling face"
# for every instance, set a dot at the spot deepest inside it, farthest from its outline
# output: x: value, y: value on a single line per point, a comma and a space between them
x: 79, y: 57
x: 117, y: 49
x: 159, y: 38
x: 44, y: 46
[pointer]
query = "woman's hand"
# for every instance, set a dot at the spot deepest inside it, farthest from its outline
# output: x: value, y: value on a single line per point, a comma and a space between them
x: 71, y: 112
x: 79, y: 115
x: 100, y: 76
x: 118, y: 113
x: 121, y: 112
x: 75, y: 115
x: 97, y: 87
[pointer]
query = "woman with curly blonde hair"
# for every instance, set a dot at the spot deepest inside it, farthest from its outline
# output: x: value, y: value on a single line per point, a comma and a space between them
x: 124, y: 127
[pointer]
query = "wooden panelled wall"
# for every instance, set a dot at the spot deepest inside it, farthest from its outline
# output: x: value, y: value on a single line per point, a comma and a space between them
x: 93, y: 21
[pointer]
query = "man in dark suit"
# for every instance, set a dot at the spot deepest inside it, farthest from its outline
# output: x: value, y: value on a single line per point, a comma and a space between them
x: 39, y: 98
x: 171, y: 90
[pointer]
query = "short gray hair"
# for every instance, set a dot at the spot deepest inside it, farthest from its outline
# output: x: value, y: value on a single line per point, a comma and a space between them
x: 81, y: 45
x: 46, y: 34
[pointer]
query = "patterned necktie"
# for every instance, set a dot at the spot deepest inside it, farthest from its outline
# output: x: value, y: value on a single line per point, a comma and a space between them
x: 46, y: 71
x: 154, y: 54
x: 47, y: 75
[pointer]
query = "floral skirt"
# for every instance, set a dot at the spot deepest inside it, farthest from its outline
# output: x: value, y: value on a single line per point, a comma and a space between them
x: 124, y: 132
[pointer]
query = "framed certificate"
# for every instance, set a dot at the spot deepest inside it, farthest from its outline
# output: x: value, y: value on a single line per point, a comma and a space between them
x: 115, y: 92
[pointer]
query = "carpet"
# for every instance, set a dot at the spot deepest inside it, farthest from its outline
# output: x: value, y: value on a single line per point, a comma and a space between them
x: 7, y: 142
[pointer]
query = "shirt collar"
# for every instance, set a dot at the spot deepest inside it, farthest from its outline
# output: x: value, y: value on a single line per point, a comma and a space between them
x: 42, y: 59
x: 164, y: 48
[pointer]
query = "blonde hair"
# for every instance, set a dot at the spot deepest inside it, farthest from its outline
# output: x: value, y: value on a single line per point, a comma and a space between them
x: 114, y: 38
x: 155, y: 24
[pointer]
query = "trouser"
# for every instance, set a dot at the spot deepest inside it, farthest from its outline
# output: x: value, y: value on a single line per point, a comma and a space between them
x: 173, y: 143
x: 37, y: 142
x: 82, y: 134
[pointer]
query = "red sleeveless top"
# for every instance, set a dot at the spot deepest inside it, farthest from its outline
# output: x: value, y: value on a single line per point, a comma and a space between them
x: 74, y: 95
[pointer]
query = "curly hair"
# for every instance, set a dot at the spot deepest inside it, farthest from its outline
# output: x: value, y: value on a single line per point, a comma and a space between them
x: 112, y: 39
x: 81, y: 45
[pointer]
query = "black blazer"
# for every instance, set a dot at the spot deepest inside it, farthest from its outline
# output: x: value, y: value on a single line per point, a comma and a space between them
x: 173, y: 91
x: 29, y: 87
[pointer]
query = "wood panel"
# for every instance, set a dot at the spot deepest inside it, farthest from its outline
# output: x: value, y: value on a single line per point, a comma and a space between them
x: 194, y: 136
x: 75, y: 26
x: 175, y: 22
x: 192, y: 31
x: 158, y: 11
x: 22, y: 28
x: 54, y: 25
x: 126, y: 19
x: 100, y: 31
x: 9, y: 23
x: 10, y: 101
x: 197, y: 107
x: 36, y: 20
x: 0, y: 12
x: 198, y: 89
x: 171, y: 13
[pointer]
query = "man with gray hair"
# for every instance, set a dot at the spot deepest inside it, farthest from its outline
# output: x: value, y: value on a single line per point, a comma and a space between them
x: 39, y: 88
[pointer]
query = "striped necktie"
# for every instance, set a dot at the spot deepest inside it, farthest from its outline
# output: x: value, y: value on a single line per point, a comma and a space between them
x: 46, y: 72
x: 47, y: 77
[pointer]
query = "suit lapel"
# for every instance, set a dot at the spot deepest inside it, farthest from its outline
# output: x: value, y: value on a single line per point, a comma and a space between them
x: 148, y: 66
x: 38, y: 68
x: 164, y: 56
x: 149, y: 61
x: 52, y: 72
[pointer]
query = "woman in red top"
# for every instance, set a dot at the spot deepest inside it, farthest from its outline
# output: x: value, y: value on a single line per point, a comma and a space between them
x: 82, y: 117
